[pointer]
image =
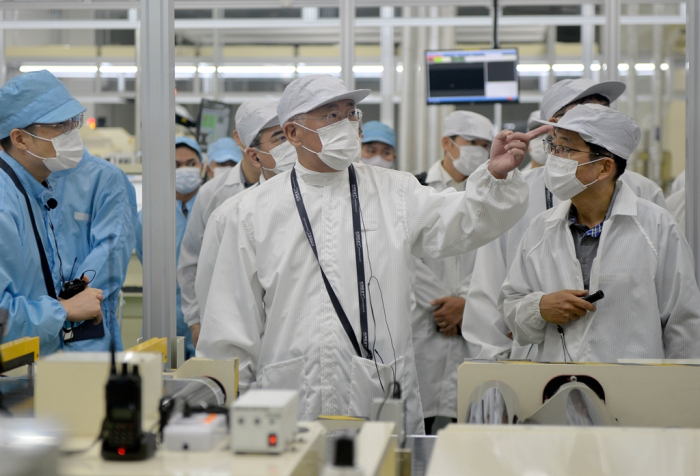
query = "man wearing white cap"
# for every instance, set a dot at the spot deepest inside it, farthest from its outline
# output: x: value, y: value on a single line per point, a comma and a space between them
x: 485, y: 329
x: 442, y: 284
x: 257, y: 126
x: 601, y: 237
x: 270, y: 152
x: 322, y: 257
x: 538, y: 156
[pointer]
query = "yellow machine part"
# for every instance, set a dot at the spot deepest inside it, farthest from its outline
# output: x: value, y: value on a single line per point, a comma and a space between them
x: 157, y: 344
x: 19, y: 352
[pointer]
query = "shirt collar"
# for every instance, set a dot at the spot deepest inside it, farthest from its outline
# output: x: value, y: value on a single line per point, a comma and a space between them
x: 235, y: 175
x: 40, y: 192
x: 624, y: 202
x: 319, y: 179
x: 437, y: 173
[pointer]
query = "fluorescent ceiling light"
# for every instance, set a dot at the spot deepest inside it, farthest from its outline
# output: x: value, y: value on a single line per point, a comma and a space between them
x: 368, y: 69
x: 595, y: 67
x: 645, y: 66
x: 59, y: 69
x: 623, y: 67
x: 567, y: 68
x: 206, y: 69
x: 399, y: 68
x: 185, y: 69
x: 257, y: 70
x: 664, y: 66
x: 533, y: 68
x: 330, y: 69
x: 118, y: 69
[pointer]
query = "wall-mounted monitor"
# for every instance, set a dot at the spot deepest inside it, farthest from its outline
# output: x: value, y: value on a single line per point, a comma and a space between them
x: 214, y: 122
x: 458, y: 76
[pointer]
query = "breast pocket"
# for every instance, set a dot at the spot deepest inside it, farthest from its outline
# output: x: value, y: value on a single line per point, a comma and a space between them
x: 365, y: 385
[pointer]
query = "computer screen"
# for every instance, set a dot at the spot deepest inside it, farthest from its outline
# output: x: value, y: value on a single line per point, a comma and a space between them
x: 214, y: 122
x: 457, y: 76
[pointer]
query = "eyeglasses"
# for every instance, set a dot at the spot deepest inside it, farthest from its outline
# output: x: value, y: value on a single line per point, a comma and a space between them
x: 68, y: 125
x: 333, y: 117
x: 281, y: 139
x: 563, y: 151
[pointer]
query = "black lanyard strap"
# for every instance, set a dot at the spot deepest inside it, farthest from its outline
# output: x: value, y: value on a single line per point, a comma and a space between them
x: 359, y: 261
x: 548, y: 198
x: 46, y: 271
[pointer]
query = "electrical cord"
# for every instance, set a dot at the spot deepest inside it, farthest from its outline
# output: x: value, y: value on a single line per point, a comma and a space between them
x: 560, y: 330
x: 371, y: 307
x: 92, y: 445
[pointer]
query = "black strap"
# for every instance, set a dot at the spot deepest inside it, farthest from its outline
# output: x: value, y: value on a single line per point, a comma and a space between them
x: 548, y: 198
x: 421, y: 177
x: 359, y: 261
x: 48, y: 279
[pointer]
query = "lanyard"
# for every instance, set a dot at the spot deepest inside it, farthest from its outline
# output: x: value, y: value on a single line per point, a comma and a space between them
x: 548, y: 198
x: 359, y: 261
x: 45, y: 270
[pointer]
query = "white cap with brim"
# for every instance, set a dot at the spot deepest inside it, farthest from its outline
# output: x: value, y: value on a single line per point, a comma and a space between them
x: 310, y: 92
x: 256, y: 120
x: 533, y: 120
x: 469, y: 125
x: 563, y: 93
x: 603, y: 126
x: 247, y: 106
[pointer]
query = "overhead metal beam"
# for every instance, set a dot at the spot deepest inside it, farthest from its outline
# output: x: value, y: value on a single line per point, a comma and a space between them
x: 276, y: 4
x: 692, y: 131
x: 158, y: 152
x: 302, y: 24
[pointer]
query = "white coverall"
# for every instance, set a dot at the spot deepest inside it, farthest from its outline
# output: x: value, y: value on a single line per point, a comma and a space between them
x: 651, y: 308
x: 268, y: 306
x: 210, y: 196
x: 483, y: 325
x: 437, y: 356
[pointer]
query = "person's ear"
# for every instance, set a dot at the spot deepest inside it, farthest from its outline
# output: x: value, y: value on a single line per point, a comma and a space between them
x: 252, y: 157
x: 446, y: 144
x: 291, y: 131
x: 17, y: 139
x: 609, y: 168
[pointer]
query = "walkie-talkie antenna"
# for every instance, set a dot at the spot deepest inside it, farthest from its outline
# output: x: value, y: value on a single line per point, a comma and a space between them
x: 113, y: 371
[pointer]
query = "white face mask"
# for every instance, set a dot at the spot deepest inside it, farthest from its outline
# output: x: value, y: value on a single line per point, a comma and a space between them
x: 187, y: 180
x: 470, y: 158
x: 537, y: 152
x: 69, y: 151
x: 378, y: 161
x: 285, y: 156
x: 560, y: 177
x: 221, y: 170
x: 340, y: 142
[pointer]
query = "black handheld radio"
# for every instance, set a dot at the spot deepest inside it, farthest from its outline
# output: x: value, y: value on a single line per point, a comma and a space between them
x: 123, y: 439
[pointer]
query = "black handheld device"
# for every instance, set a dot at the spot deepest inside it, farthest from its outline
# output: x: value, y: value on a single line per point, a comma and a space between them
x: 86, y: 330
x: 123, y: 439
x: 596, y: 296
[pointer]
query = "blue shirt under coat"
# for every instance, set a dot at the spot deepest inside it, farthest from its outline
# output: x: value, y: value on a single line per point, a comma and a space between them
x: 32, y: 313
x: 94, y: 224
x: 180, y: 225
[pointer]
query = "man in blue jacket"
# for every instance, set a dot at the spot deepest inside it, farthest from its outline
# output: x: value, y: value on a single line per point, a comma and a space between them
x: 95, y: 232
x: 38, y: 134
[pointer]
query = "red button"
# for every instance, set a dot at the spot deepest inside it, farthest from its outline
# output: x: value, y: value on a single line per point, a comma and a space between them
x: 272, y: 440
x: 121, y: 451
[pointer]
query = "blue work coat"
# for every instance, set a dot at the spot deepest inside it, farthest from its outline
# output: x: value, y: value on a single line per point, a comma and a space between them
x: 23, y: 290
x: 94, y: 224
